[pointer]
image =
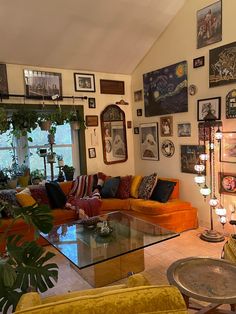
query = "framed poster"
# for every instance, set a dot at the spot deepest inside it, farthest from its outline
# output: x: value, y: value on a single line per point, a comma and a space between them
x: 166, y: 126
x: 231, y: 104
x: 166, y: 90
x: 184, y: 129
x: 43, y: 85
x: 227, y: 183
x: 222, y: 68
x: 84, y: 82
x: 190, y: 156
x: 3, y: 81
x: 228, y: 147
x: 209, y: 24
x: 209, y: 106
x: 149, y: 141
x: 92, y: 152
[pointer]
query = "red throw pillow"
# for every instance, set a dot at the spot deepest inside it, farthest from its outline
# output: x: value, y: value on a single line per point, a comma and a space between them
x: 39, y: 193
x: 124, y: 187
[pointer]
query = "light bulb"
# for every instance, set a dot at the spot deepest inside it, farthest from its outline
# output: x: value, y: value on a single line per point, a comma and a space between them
x: 205, y: 191
x: 203, y: 157
x: 223, y: 220
x: 199, y: 179
x: 213, y: 201
x: 199, y: 168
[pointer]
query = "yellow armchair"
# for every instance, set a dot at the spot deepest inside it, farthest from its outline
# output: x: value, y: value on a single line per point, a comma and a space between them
x: 137, y: 296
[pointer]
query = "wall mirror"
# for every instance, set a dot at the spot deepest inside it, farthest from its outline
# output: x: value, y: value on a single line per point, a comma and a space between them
x: 113, y: 135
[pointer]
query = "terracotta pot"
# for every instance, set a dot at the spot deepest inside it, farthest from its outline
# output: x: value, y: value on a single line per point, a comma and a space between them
x: 45, y: 125
x: 75, y: 125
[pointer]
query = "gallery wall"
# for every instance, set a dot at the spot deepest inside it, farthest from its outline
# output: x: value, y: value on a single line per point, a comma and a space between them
x: 178, y: 43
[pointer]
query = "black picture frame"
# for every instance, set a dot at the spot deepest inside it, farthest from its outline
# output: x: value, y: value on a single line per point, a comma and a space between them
x: 139, y: 112
x: 190, y: 156
x: 84, y: 82
x: 3, y: 81
x: 212, y: 105
x: 230, y: 108
x: 136, y: 130
x: 91, y: 102
x: 43, y: 85
x: 199, y: 62
x: 92, y: 152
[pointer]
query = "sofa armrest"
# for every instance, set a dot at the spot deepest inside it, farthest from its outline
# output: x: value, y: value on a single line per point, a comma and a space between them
x: 28, y: 300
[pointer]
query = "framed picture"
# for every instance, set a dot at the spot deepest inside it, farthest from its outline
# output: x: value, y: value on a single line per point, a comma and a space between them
x: 231, y: 104
x: 199, y: 62
x: 92, y: 103
x: 40, y: 84
x: 149, y: 141
x: 136, y: 130
x: 3, y: 81
x: 129, y: 124
x: 166, y: 126
x: 138, y: 95
x: 189, y: 157
x: 159, y: 100
x: 167, y: 148
x: 91, y: 120
x: 227, y: 183
x: 228, y: 147
x: 84, y: 82
x: 112, y: 87
x: 221, y: 69
x: 139, y: 112
x: 92, y: 152
x: 118, y: 141
x: 184, y: 129
x: 209, y: 24
x: 209, y: 106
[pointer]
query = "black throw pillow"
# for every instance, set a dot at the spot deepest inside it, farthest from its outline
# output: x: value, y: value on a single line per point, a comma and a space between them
x: 56, y: 196
x: 110, y: 187
x: 162, y: 191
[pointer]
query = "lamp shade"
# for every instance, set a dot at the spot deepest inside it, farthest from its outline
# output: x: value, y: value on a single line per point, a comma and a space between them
x: 199, y: 168
x: 203, y: 157
x: 213, y: 201
x: 205, y: 190
x: 220, y: 210
x: 199, y: 179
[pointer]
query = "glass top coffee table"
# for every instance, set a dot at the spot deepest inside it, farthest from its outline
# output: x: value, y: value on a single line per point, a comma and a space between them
x: 105, y: 248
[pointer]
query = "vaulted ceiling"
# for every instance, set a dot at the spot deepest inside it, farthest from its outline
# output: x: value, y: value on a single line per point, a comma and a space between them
x: 95, y: 35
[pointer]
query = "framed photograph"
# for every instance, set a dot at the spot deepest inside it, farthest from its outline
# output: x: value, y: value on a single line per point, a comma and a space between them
x: 149, y: 141
x: 166, y: 126
x: 190, y: 156
x: 129, y: 124
x: 164, y: 93
x: 84, y: 82
x: 167, y: 148
x: 199, y: 62
x: 138, y: 95
x: 227, y: 183
x: 92, y: 152
x: 118, y: 141
x: 136, y: 130
x: 228, y: 147
x: 184, y: 129
x: 91, y: 120
x: 209, y: 24
x: 139, y: 112
x: 221, y: 69
x: 209, y: 106
x: 231, y: 104
x: 92, y: 103
x: 3, y: 81
x: 43, y: 85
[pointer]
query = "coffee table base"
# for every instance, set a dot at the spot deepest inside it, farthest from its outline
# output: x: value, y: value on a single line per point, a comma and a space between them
x: 117, y: 268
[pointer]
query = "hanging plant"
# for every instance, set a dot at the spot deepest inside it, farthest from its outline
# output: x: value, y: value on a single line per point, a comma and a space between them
x: 44, y: 121
x: 23, y: 122
x: 4, y: 121
x: 76, y: 120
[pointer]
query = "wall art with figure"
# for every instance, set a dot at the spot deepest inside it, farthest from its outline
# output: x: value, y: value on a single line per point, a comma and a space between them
x: 166, y: 90
x: 189, y: 157
x: 149, y: 141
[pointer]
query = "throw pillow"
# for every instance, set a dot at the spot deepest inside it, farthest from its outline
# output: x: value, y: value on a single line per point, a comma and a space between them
x: 8, y: 197
x: 124, y: 187
x: 136, y: 181
x: 82, y: 186
x: 147, y: 186
x: 39, y: 193
x: 163, y: 190
x: 110, y: 187
x: 25, y: 200
x: 57, y: 198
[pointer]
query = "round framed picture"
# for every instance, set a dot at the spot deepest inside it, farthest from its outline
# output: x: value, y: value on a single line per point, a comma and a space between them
x: 168, y: 148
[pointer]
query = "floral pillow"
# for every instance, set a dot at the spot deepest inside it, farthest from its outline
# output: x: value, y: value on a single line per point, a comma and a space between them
x: 147, y: 186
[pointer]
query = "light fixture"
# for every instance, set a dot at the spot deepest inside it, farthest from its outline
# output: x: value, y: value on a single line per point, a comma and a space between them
x: 207, y: 128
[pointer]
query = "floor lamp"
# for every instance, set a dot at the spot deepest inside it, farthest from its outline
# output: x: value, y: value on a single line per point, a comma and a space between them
x: 209, y: 135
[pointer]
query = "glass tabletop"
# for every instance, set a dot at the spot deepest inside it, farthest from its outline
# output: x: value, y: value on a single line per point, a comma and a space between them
x: 88, y: 242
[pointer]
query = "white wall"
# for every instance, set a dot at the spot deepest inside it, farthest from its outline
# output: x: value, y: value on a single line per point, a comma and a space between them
x: 176, y: 44
x: 16, y: 86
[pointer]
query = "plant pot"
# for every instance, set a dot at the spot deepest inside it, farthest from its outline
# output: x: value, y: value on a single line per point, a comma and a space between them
x: 23, y: 181
x: 45, y: 125
x: 69, y: 176
x: 51, y: 157
x: 75, y: 125
x: 12, y: 183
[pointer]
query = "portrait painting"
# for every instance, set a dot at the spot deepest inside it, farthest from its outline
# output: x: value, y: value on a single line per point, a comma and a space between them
x: 209, y: 24
x: 149, y: 141
x: 166, y: 90
x: 166, y: 126
x: 189, y: 157
x: 222, y: 69
x: 184, y: 129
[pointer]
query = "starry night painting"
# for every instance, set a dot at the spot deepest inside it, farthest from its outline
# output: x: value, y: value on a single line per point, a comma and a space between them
x: 166, y: 90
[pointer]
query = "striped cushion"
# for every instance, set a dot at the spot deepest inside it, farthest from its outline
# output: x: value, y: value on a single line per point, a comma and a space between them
x: 82, y: 186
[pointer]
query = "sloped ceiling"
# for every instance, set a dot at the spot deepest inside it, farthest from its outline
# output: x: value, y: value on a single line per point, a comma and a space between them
x: 95, y: 35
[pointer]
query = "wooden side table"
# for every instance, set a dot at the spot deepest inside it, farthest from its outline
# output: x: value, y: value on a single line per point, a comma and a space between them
x: 205, y: 279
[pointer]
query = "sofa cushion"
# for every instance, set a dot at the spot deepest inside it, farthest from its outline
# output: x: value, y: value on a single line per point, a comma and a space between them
x: 39, y: 193
x: 25, y: 200
x: 113, y: 204
x: 124, y: 187
x: 175, y: 193
x: 147, y: 185
x: 136, y: 181
x: 110, y: 187
x: 57, y: 198
x: 66, y: 186
x: 162, y: 191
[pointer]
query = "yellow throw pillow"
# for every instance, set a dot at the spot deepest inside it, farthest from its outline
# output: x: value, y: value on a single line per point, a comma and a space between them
x: 25, y: 200
x: 136, y: 181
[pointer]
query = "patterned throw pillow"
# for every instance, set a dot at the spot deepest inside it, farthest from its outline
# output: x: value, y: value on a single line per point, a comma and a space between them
x: 8, y: 201
x: 82, y: 186
x: 39, y: 193
x: 147, y: 186
x: 124, y: 187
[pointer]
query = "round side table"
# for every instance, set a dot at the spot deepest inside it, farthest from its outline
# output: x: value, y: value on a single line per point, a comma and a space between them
x: 205, y: 279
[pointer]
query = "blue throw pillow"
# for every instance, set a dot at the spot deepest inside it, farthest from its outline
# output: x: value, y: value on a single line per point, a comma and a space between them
x: 162, y: 191
x: 110, y: 187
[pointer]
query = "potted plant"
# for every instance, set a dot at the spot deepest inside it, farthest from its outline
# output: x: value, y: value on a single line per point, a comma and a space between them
x: 4, y: 121
x: 59, y: 117
x: 76, y: 121
x: 69, y: 172
x: 51, y: 134
x: 60, y: 161
x: 25, y: 266
x: 51, y: 157
x: 36, y: 176
x: 44, y: 121
x: 23, y: 175
x: 23, y: 122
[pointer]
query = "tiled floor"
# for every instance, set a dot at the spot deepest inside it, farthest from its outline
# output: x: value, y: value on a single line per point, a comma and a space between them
x: 157, y: 259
